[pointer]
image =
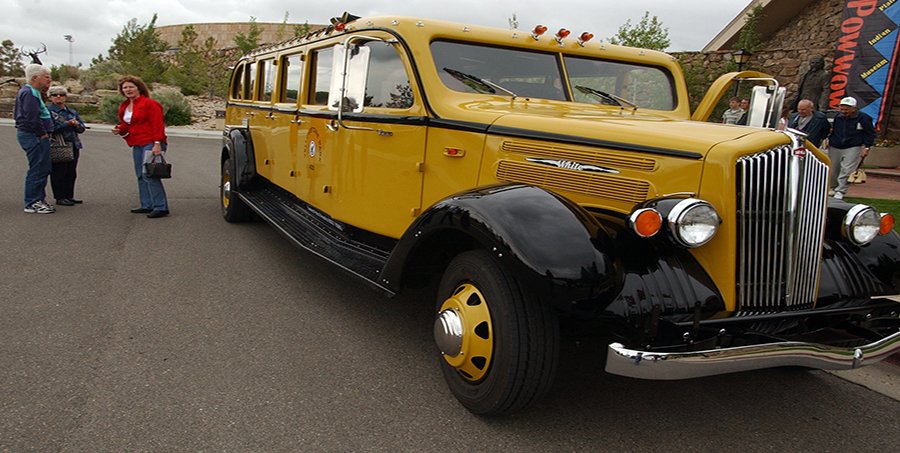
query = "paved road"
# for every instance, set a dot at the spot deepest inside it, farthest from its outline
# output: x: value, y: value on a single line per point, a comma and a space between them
x: 186, y: 333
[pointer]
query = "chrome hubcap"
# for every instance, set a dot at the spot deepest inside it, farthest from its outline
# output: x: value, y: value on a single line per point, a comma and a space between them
x: 448, y: 332
x: 226, y: 192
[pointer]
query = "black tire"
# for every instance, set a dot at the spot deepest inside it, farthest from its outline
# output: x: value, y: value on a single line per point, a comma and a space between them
x: 509, y: 354
x: 233, y: 208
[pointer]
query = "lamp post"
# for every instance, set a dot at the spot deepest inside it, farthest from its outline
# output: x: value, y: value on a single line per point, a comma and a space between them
x: 740, y: 57
x: 71, y: 40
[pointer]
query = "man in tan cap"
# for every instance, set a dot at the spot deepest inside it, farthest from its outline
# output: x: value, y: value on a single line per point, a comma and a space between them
x: 852, y: 134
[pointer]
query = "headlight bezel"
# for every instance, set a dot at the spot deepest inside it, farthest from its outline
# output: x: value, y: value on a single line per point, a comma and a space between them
x: 852, y: 226
x: 678, y: 217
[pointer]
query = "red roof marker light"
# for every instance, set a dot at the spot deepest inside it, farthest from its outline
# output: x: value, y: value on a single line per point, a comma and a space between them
x: 585, y: 37
x: 538, y: 31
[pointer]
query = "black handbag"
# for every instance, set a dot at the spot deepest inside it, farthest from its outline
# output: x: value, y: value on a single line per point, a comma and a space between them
x: 60, y: 149
x: 158, y: 170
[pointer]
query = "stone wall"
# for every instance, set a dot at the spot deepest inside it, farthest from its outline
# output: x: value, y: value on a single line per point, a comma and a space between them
x: 224, y: 32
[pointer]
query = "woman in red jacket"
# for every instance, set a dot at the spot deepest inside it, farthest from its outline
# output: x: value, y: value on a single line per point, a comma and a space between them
x: 141, y: 125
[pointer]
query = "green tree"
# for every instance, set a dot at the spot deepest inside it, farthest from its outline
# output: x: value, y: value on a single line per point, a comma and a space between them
x: 200, y: 68
x: 749, y: 38
x: 248, y: 42
x: 513, y: 22
x: 647, y: 34
x: 281, y: 31
x: 302, y: 29
x: 217, y: 67
x: 11, y: 59
x: 188, y: 72
x: 134, y: 48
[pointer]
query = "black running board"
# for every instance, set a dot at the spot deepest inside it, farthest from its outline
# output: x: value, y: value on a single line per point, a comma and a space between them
x: 312, y: 230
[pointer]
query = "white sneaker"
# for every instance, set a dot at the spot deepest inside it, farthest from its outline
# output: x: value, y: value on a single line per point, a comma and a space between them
x: 830, y: 192
x: 838, y: 196
x: 39, y: 207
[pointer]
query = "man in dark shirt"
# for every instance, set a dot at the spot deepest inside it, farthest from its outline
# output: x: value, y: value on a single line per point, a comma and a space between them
x: 811, y: 121
x: 852, y: 134
x: 34, y: 127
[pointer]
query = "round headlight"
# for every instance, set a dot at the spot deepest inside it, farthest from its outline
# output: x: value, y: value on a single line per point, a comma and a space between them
x: 861, y: 224
x: 693, y: 222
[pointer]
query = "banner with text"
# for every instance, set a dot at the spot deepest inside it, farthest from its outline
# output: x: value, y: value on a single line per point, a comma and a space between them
x: 866, y: 54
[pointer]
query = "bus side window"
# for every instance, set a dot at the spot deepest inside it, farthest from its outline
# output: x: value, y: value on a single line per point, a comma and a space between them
x: 291, y: 67
x: 250, y: 92
x: 387, y: 84
x: 320, y: 76
x: 267, y: 78
x: 237, y: 88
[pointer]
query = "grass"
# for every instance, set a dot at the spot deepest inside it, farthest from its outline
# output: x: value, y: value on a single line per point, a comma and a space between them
x: 889, y: 206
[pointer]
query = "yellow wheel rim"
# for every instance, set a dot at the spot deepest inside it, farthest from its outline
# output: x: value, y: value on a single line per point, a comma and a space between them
x: 474, y: 358
x: 226, y: 189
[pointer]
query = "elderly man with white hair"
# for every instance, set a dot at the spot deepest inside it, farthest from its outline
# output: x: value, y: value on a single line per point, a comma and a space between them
x: 34, y: 127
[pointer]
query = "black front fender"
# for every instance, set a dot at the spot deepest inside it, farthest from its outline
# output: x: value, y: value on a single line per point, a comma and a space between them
x: 551, y: 244
x: 239, y: 146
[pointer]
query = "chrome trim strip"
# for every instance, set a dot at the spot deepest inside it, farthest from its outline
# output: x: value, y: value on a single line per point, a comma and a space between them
x: 686, y: 365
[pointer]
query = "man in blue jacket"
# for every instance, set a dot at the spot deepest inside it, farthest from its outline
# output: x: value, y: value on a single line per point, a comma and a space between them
x: 34, y: 127
x: 811, y: 121
x: 852, y: 134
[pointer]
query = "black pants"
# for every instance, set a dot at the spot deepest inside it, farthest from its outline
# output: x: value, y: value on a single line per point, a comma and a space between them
x: 62, y: 178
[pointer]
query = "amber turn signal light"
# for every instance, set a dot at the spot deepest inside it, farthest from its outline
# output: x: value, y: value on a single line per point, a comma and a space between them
x: 887, y: 224
x: 645, y: 222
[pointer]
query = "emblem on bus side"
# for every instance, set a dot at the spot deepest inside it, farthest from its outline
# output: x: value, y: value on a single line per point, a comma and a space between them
x: 569, y: 165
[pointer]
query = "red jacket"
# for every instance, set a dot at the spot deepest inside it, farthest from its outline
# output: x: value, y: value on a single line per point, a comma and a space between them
x: 147, y: 124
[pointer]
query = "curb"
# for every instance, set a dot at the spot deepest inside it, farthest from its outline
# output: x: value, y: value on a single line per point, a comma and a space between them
x: 883, y: 174
x: 170, y: 131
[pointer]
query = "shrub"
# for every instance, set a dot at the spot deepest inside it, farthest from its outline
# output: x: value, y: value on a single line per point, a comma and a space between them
x: 109, y: 108
x: 176, y: 109
x: 65, y: 72
x: 88, y: 109
x: 103, y: 75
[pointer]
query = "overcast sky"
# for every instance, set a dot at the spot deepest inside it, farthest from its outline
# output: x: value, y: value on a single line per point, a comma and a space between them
x: 94, y: 23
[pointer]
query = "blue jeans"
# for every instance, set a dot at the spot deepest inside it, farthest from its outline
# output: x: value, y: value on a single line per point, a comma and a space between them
x: 38, y: 152
x: 151, y: 191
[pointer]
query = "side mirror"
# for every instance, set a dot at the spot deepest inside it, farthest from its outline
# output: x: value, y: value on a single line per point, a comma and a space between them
x: 765, y: 106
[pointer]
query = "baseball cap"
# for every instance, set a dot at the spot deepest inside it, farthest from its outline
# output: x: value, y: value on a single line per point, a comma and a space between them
x: 848, y: 101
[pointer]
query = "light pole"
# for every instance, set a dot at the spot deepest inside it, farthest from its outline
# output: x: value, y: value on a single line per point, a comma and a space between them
x: 71, y: 40
x: 740, y: 57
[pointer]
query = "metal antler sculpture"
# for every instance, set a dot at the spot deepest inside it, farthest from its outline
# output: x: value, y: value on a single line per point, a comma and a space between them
x: 34, y: 53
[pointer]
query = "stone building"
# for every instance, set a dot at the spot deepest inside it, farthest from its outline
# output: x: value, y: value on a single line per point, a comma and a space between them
x: 792, y: 32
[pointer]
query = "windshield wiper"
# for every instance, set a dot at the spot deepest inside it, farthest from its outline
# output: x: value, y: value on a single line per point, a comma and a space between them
x: 615, y: 100
x: 470, y: 80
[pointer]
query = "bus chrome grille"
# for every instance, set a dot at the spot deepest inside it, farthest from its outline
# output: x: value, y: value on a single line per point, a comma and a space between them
x: 782, y: 200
